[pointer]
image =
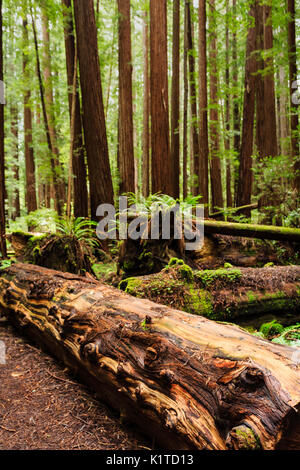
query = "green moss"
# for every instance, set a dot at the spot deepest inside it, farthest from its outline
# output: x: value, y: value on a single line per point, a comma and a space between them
x: 102, y: 270
x: 289, y: 337
x: 131, y: 285
x: 176, y: 262
x: 271, y: 329
x: 269, y: 265
x: 228, y: 266
x: 199, y: 302
x: 209, y: 277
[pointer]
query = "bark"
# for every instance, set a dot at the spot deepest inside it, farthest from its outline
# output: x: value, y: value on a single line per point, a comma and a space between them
x: 126, y: 146
x: 15, y: 133
x: 161, y: 162
x: 227, y: 114
x: 236, y: 107
x: 146, y: 109
x: 187, y: 381
x: 203, y: 103
x: 78, y: 158
x: 293, y: 77
x: 185, y: 110
x: 215, y: 164
x: 101, y: 188
x: 193, y: 99
x: 3, y: 249
x: 175, y: 101
x: 244, y: 190
x: 30, y: 197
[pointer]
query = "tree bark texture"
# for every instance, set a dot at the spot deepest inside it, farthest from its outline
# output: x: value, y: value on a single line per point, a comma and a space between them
x: 175, y: 101
x: 3, y: 249
x: 190, y: 382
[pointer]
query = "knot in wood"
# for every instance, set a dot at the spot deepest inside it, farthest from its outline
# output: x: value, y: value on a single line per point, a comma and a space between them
x: 151, y: 356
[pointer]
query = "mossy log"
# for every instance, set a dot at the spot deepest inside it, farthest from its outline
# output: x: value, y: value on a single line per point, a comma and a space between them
x: 224, y: 294
x: 187, y: 381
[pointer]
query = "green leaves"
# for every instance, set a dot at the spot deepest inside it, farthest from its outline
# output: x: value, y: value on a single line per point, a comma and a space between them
x: 80, y: 228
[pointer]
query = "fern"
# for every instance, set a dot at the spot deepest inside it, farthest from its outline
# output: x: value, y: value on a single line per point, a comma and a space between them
x: 80, y: 228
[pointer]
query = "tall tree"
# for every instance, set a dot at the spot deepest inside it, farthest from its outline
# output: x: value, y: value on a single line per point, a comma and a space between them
x: 78, y: 158
x: 126, y: 146
x: 215, y: 162
x: 2, y: 164
x: 185, y: 109
x: 31, y: 200
x: 293, y: 77
x: 146, y: 109
x: 101, y: 187
x: 235, y: 101
x: 203, y: 102
x: 175, y: 100
x: 227, y: 111
x: 161, y: 167
x: 193, y: 97
x: 244, y: 190
x: 15, y: 134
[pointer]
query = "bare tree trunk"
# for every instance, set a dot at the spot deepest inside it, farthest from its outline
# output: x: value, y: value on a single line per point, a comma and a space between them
x: 216, y: 180
x: 161, y: 167
x: 227, y: 113
x: 126, y: 147
x: 244, y: 191
x: 146, y: 109
x: 31, y: 200
x: 2, y: 156
x: 15, y: 133
x: 185, y: 108
x: 101, y: 188
x: 175, y: 112
x: 294, y: 104
x: 203, y: 102
x: 236, y: 107
x: 193, y: 99
x: 78, y: 160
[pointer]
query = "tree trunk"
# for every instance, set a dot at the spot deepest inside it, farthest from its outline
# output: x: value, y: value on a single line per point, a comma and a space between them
x: 187, y: 381
x: 161, y: 162
x: 175, y: 101
x: 203, y: 103
x: 293, y: 78
x: 78, y: 160
x: 126, y: 147
x: 2, y: 159
x: 101, y: 188
x: 15, y: 133
x: 185, y: 110
x: 227, y: 113
x: 31, y: 200
x: 216, y: 179
x: 193, y: 100
x: 146, y: 109
x: 244, y: 191
x: 236, y: 106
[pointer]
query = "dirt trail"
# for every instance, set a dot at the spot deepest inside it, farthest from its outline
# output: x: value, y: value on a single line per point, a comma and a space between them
x: 42, y: 407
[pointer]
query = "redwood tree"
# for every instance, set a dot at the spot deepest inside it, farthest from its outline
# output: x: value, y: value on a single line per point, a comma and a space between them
x: 162, y: 180
x: 78, y: 161
x: 101, y: 188
x: 146, y: 109
x: 126, y: 146
x: 2, y: 178
x: 175, y: 101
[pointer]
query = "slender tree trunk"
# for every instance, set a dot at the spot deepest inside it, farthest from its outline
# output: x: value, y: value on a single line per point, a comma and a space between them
x: 161, y: 167
x: 78, y: 160
x: 236, y: 107
x: 203, y: 102
x: 260, y: 84
x: 146, y: 109
x: 31, y: 200
x: 227, y: 113
x: 283, y: 112
x: 15, y: 133
x: 126, y: 147
x: 294, y: 104
x: 216, y: 181
x: 193, y: 98
x: 101, y: 188
x: 175, y: 116
x: 185, y: 108
x: 2, y: 164
x: 245, y: 171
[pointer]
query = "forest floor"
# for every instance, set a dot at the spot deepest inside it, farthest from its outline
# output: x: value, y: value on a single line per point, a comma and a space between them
x: 42, y: 407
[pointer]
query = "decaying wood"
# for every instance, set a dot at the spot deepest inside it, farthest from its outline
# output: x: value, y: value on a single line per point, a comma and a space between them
x: 189, y: 382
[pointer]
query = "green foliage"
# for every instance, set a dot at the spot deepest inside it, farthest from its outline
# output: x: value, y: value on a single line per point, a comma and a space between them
x: 6, y: 263
x: 271, y: 329
x: 289, y: 336
x: 79, y: 228
x: 208, y: 277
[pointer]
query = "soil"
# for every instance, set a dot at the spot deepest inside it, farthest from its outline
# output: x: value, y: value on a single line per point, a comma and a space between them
x: 43, y: 407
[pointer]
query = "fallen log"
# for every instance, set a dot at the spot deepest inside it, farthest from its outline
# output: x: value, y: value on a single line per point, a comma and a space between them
x: 264, y: 232
x: 189, y: 382
x: 231, y: 294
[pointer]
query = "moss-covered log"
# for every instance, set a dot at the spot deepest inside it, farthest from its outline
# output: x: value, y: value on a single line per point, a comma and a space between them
x: 227, y: 294
x: 189, y: 382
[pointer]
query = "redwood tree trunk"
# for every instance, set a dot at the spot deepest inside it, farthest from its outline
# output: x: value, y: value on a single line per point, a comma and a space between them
x: 126, y: 146
x: 15, y: 133
x: 245, y: 174
x: 293, y: 77
x: 175, y: 113
x: 161, y: 162
x: 101, y: 188
x: 203, y: 102
x: 146, y: 109
x: 2, y: 171
x: 78, y: 161
x: 30, y: 197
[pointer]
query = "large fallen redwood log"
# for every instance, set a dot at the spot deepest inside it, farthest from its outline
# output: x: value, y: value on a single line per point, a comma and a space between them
x: 189, y: 382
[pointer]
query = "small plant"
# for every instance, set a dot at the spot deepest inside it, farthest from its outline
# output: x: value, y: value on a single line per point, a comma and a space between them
x: 271, y: 329
x: 80, y: 228
x: 6, y: 263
